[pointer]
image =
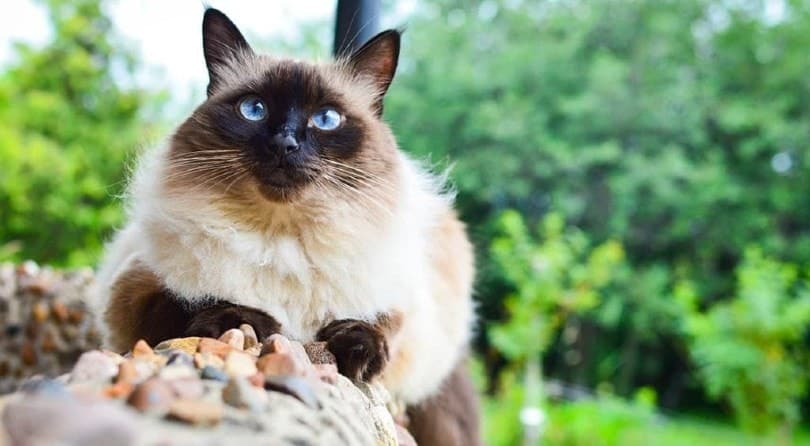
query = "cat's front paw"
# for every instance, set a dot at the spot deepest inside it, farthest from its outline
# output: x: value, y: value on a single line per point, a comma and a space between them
x: 215, y: 320
x: 361, y: 348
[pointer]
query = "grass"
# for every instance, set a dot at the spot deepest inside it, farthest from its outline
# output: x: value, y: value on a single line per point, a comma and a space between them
x: 611, y: 421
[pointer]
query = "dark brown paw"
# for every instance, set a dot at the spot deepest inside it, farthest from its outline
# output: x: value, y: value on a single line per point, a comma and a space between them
x: 360, y: 348
x: 215, y: 320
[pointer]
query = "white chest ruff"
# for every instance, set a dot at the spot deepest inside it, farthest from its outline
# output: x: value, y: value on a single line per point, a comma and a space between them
x: 302, y: 283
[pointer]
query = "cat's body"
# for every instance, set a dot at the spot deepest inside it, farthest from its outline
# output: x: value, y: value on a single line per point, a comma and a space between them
x: 310, y: 222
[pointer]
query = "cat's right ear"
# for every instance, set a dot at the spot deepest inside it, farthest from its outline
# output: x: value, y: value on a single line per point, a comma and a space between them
x: 222, y: 43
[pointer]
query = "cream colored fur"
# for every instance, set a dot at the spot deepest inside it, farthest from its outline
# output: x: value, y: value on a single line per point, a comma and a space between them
x: 313, y: 261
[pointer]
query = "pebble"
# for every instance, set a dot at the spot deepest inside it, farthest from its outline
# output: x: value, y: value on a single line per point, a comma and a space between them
x: 42, y: 386
x: 179, y: 357
x: 256, y: 379
x: 274, y: 364
x: 60, y: 311
x: 241, y: 394
x: 142, y: 349
x: 188, y: 345
x: 276, y: 343
x: 127, y: 372
x: 209, y: 372
x: 197, y: 412
x: 177, y: 371
x: 40, y: 312
x: 295, y: 386
x: 319, y: 354
x: 28, y: 354
x: 234, y: 337
x: 120, y: 390
x: 202, y: 360
x: 240, y: 364
x: 145, y: 369
x: 213, y: 346
x: 51, y: 421
x: 187, y: 388
x: 251, y: 340
x: 94, y: 366
x: 152, y: 395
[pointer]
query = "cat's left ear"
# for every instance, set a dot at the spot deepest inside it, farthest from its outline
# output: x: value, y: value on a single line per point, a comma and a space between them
x: 377, y: 61
x: 222, y: 43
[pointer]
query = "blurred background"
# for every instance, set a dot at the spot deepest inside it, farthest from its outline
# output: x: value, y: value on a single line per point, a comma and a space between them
x: 634, y: 174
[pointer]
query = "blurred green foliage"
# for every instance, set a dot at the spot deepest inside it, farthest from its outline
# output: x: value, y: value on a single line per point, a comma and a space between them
x: 676, y: 129
x: 750, y: 349
x: 68, y: 126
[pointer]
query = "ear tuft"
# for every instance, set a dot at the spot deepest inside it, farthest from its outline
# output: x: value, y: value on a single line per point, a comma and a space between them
x: 377, y: 61
x: 222, y: 42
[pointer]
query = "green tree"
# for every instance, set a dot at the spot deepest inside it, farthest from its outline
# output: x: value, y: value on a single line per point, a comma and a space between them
x: 749, y: 350
x: 68, y: 126
x: 678, y: 128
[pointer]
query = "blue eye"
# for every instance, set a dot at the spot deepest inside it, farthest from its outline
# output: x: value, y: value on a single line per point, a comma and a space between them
x: 326, y: 119
x: 252, y: 109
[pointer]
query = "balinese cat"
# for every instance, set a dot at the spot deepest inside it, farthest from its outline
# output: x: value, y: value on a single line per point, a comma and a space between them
x: 284, y: 202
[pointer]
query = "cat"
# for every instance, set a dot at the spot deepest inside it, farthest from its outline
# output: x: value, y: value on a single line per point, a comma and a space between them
x: 284, y: 202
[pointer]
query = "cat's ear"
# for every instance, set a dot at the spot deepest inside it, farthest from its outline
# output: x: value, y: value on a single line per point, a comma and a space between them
x: 377, y: 60
x: 222, y: 43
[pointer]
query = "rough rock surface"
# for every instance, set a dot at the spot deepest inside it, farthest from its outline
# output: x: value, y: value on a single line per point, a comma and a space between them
x: 43, y: 323
x: 188, y: 391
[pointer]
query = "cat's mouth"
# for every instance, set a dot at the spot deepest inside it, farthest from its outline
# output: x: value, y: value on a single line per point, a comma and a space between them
x: 281, y: 183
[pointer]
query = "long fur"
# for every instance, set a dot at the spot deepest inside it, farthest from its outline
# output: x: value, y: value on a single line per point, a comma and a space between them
x: 384, y: 242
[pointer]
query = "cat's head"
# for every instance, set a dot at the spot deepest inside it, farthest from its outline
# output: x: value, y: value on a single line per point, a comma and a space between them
x: 280, y: 130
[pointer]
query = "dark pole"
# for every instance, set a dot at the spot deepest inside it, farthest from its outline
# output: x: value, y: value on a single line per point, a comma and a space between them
x: 356, y: 22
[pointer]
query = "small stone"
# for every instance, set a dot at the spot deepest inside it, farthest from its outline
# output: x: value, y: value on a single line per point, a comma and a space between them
x: 234, y: 337
x: 241, y: 394
x: 295, y: 386
x: 40, y: 312
x: 152, y: 395
x: 45, y: 387
x: 94, y: 366
x: 196, y: 412
x: 208, y: 345
x: 177, y: 371
x: 49, y: 421
x: 50, y: 342
x: 256, y: 379
x: 319, y: 354
x: 188, y: 345
x: 276, y: 343
x: 187, y: 388
x: 28, y: 354
x: 179, y: 357
x: 75, y: 316
x: 327, y: 373
x: 202, y: 360
x: 239, y: 364
x: 60, y: 311
x: 142, y: 349
x: 37, y: 286
x: 254, y: 351
x: 275, y: 364
x: 127, y: 373
x: 119, y: 390
x: 299, y: 354
x: 145, y: 368
x: 209, y: 372
x: 251, y: 339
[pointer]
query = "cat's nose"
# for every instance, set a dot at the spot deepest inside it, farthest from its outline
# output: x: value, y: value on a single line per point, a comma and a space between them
x: 286, y: 142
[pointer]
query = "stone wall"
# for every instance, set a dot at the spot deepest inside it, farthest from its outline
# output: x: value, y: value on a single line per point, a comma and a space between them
x: 187, y: 391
